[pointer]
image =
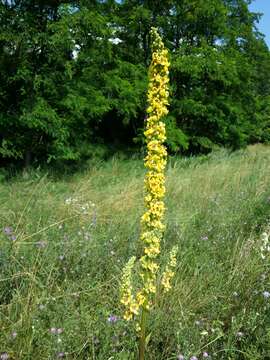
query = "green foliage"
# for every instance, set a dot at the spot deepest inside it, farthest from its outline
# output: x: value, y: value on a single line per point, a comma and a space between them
x: 75, y: 73
x: 176, y: 139
x: 125, y: 86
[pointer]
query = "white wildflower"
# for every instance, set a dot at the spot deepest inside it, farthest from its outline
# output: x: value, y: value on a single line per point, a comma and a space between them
x: 265, y: 247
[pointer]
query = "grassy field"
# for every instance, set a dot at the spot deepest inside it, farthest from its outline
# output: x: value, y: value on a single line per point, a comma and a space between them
x: 65, y: 241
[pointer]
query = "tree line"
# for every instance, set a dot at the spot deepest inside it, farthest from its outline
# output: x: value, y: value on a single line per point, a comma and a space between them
x: 73, y: 76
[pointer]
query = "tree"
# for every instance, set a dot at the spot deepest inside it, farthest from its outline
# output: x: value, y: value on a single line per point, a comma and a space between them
x: 74, y: 75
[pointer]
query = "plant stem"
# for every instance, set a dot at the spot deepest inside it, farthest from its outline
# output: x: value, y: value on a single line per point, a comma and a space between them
x: 142, y: 334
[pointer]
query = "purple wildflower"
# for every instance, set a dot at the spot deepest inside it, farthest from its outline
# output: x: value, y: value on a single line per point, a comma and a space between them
x: 205, y: 354
x: 193, y: 358
x: 13, y: 237
x: 14, y: 334
x: 180, y: 357
x: 60, y: 355
x: 8, y: 230
x: 112, y: 319
x: 4, y: 356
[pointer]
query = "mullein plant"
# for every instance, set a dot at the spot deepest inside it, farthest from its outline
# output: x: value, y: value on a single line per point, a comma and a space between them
x: 139, y: 302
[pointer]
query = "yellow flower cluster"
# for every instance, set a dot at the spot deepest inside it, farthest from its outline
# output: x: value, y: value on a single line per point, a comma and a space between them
x: 155, y: 161
x: 169, y: 270
x: 127, y: 298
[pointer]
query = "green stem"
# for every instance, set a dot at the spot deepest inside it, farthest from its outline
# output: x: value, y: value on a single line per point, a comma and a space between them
x: 142, y: 335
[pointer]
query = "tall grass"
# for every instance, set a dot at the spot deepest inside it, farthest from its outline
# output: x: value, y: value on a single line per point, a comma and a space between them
x: 59, y: 279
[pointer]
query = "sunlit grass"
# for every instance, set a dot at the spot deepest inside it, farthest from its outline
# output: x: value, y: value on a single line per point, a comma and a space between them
x: 64, y: 267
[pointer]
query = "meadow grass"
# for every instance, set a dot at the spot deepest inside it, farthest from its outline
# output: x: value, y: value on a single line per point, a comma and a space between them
x: 59, y: 285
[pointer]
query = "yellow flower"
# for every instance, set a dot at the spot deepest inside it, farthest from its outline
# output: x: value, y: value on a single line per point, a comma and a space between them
x: 169, y: 273
x: 126, y: 290
x: 152, y: 251
x: 155, y: 162
x: 152, y: 226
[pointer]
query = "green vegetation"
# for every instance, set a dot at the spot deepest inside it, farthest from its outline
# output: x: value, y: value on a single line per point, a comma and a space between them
x: 65, y: 242
x: 73, y: 76
x: 73, y: 81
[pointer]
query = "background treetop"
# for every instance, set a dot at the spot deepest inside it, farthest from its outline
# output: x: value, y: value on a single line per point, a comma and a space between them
x: 73, y: 76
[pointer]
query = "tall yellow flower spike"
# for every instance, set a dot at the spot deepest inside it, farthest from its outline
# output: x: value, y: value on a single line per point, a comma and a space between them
x: 155, y: 162
x: 152, y: 226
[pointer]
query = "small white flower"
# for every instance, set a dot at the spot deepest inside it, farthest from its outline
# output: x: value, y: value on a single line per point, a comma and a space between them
x: 265, y: 247
x: 266, y: 294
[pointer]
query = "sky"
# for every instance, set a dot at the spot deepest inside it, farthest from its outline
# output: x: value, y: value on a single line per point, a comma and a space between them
x: 263, y: 6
